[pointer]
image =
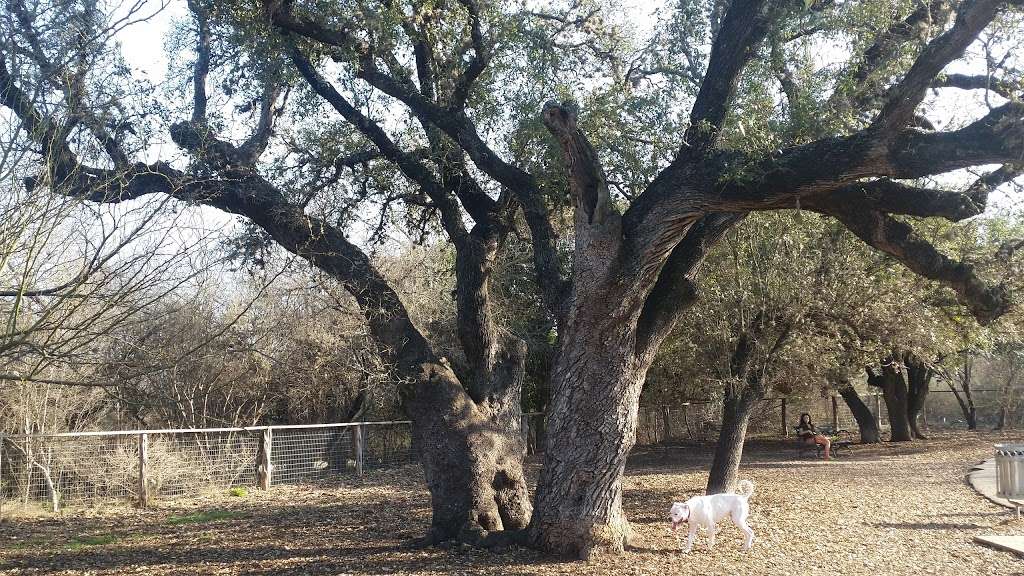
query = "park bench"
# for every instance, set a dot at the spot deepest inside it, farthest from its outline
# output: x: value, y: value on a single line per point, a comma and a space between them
x: 839, y: 446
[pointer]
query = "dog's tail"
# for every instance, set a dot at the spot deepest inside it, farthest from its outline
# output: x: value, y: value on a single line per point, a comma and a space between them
x: 745, y: 488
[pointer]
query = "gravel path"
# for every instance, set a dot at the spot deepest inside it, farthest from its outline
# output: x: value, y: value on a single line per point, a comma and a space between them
x: 885, y: 510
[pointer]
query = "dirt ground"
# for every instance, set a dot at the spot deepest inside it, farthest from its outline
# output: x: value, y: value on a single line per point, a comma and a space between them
x: 883, y: 510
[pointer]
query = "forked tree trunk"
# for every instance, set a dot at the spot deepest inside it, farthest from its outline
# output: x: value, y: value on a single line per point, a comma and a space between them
x: 866, y: 421
x: 466, y: 430
x: 626, y: 294
x: 470, y: 431
x: 741, y: 395
x: 894, y: 391
x: 472, y: 457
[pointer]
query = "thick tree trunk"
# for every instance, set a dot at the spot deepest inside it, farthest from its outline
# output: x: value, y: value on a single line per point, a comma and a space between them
x: 598, y: 374
x: 591, y: 428
x: 470, y: 429
x: 894, y: 391
x: 919, y: 378
x: 729, y: 450
x: 866, y: 421
x: 741, y: 395
x: 472, y: 458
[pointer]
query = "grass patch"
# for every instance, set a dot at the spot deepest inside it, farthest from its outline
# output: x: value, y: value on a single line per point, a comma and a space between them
x: 238, y: 492
x: 201, y: 517
x: 24, y: 544
x: 87, y: 541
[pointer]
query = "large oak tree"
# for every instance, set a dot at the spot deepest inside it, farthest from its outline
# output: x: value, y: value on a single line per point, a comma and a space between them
x: 635, y: 252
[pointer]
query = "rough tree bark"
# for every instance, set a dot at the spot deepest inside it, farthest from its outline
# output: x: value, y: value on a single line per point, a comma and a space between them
x: 919, y: 378
x: 596, y: 381
x: 893, y: 384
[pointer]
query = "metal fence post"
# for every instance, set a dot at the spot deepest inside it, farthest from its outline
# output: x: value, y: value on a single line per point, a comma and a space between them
x: 264, y: 469
x: 143, y: 470
x: 360, y: 441
x: 878, y: 409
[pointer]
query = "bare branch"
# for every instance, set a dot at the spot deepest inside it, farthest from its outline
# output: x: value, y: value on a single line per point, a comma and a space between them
x: 478, y: 64
x: 409, y: 165
x: 201, y: 68
x: 257, y: 143
x: 903, y: 98
x: 743, y: 28
x: 976, y: 82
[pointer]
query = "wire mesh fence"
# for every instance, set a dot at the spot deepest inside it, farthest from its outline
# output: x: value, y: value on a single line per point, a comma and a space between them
x: 55, y: 470
x: 700, y: 421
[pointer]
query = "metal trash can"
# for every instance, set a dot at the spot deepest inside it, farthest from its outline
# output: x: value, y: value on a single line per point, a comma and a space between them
x: 1010, y: 471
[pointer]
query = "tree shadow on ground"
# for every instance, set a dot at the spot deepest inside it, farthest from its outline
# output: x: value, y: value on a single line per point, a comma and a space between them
x: 929, y: 525
x: 331, y: 538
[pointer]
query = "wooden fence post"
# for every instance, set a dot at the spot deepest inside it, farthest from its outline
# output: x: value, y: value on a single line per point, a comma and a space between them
x: 143, y: 470
x: 666, y: 422
x: 785, y: 420
x: 360, y: 441
x: 835, y: 414
x: 264, y: 469
x: 878, y: 409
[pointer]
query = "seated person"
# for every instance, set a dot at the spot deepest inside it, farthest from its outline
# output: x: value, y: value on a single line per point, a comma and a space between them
x: 808, y: 433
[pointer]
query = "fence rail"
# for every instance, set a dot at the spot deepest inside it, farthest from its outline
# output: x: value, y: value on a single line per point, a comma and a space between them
x: 141, y: 465
x: 58, y: 469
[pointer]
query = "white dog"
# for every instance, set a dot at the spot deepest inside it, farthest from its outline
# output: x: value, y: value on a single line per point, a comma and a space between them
x: 707, y: 511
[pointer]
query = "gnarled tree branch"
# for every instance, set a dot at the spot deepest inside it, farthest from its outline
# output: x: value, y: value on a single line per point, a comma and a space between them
x: 899, y: 240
